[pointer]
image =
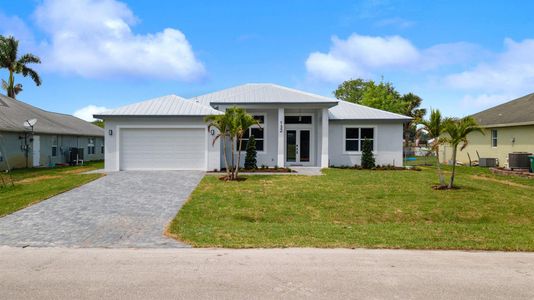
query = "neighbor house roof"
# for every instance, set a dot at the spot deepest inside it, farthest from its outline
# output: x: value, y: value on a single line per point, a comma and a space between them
x: 516, y: 112
x: 170, y: 105
x: 14, y: 113
x: 351, y: 111
x: 256, y: 93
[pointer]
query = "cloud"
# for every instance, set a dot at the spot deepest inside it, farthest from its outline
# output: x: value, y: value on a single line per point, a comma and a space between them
x: 511, y: 70
x: 94, y: 39
x: 15, y: 26
x: 86, y: 113
x: 483, y: 101
x: 361, y: 56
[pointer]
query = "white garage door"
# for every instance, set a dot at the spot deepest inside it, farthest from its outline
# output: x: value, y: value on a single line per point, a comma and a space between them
x: 162, y: 149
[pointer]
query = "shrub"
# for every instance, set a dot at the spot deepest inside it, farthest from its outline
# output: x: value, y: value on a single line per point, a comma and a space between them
x: 368, y: 159
x: 250, y: 158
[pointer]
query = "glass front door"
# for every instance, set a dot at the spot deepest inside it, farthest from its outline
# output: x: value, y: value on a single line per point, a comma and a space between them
x: 298, y: 145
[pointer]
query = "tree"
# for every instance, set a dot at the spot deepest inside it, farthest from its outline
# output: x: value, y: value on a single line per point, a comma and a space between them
x: 8, y: 60
x: 433, y: 128
x: 16, y: 89
x: 368, y: 159
x: 411, y: 109
x: 243, y: 121
x: 222, y: 124
x: 457, y: 131
x: 231, y: 126
x: 98, y: 123
x: 250, y: 158
x: 382, y: 95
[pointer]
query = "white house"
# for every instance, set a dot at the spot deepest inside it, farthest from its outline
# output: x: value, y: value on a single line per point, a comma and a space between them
x: 297, y: 129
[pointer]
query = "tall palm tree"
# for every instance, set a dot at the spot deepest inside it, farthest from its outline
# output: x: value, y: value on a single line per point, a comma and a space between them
x: 411, y: 109
x: 243, y: 122
x: 434, y: 129
x: 457, y: 131
x: 222, y: 124
x: 10, y: 61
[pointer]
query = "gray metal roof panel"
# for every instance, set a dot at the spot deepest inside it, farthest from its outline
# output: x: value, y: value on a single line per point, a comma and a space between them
x: 170, y: 105
x: 518, y: 111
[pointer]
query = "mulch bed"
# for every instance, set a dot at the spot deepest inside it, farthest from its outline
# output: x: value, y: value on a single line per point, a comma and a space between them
x: 520, y: 173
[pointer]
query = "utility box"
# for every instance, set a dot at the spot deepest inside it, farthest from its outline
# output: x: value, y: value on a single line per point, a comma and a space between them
x: 487, y: 162
x: 519, y: 160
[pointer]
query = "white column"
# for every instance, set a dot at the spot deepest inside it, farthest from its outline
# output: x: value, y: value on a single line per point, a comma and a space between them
x: 280, y: 130
x: 324, y: 138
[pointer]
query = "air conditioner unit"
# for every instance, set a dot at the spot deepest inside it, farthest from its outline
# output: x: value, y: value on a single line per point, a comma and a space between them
x: 487, y: 162
x: 519, y: 160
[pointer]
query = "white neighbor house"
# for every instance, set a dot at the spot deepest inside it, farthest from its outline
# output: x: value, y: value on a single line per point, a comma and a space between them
x: 298, y: 129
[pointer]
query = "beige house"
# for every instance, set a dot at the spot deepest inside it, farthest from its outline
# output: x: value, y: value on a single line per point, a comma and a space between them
x: 508, y: 127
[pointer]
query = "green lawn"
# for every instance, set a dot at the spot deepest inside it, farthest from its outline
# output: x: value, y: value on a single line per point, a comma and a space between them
x: 354, y: 208
x: 35, y: 185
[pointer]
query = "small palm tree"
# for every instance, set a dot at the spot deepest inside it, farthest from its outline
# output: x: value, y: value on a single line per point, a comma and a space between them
x: 222, y: 124
x: 457, y: 131
x: 8, y: 60
x: 16, y: 90
x: 434, y: 128
x: 243, y: 121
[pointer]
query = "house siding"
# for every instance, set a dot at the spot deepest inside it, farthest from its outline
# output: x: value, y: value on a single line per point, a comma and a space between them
x: 17, y: 159
x: 524, y: 142
x: 388, y: 143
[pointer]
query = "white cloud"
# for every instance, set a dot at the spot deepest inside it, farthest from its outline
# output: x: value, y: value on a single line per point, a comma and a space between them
x: 511, y: 70
x: 86, y: 113
x: 360, y: 56
x: 94, y: 39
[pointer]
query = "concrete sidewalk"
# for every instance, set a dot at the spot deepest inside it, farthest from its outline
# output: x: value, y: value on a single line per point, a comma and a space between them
x: 64, y: 273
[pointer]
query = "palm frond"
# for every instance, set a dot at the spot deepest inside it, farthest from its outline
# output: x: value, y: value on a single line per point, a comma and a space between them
x: 29, y: 59
x: 33, y: 74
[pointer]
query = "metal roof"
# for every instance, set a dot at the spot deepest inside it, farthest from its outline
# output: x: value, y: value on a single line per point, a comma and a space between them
x: 513, y: 113
x: 13, y: 114
x: 170, y: 105
x: 257, y: 93
x: 350, y: 111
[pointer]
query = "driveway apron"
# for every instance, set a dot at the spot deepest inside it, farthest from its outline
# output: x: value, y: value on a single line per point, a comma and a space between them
x: 121, y: 210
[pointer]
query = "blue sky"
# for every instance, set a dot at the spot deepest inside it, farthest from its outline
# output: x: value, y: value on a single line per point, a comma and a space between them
x: 459, y: 56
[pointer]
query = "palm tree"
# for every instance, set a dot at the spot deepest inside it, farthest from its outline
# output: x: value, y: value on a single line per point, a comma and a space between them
x: 411, y: 109
x: 222, y: 124
x: 17, y: 89
x: 243, y: 122
x: 457, y: 131
x: 434, y: 128
x: 8, y: 60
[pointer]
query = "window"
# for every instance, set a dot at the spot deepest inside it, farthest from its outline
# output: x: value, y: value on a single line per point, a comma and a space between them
x: 102, y: 149
x: 298, y: 119
x: 258, y: 133
x: 354, y: 137
x: 90, y: 146
x: 54, y: 146
x: 494, y: 137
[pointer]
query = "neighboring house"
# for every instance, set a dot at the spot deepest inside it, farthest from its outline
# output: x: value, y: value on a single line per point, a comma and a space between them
x: 53, y: 136
x: 297, y: 129
x: 508, y: 128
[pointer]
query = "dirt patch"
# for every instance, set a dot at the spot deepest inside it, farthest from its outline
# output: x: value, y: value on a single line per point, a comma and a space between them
x: 76, y: 171
x: 502, y: 181
x: 38, y: 178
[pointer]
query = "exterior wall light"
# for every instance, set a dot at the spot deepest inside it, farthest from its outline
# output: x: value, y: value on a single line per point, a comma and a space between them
x: 110, y: 132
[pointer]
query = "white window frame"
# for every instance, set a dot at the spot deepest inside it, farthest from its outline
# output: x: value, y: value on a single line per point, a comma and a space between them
x: 494, y: 138
x: 263, y: 128
x: 90, y: 146
x: 359, y: 139
x: 55, y: 139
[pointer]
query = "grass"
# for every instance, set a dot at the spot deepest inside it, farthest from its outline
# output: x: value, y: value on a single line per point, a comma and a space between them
x: 35, y: 185
x: 355, y: 208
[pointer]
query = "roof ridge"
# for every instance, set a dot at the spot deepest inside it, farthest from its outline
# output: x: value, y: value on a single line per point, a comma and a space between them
x: 375, y: 109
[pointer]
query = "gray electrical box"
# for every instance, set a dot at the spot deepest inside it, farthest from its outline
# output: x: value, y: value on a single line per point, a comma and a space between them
x: 487, y: 162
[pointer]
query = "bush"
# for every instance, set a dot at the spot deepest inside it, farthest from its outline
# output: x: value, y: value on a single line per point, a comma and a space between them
x: 368, y: 159
x: 250, y: 158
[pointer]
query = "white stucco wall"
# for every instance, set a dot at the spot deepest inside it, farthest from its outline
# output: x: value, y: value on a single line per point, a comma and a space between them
x: 111, y: 141
x: 388, y: 137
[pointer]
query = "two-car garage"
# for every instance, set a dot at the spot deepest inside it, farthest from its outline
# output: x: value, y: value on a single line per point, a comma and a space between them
x: 162, y: 149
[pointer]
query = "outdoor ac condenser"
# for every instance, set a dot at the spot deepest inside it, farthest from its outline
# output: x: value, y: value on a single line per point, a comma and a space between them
x: 487, y: 162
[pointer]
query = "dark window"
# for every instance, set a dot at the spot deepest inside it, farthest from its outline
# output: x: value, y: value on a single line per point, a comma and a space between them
x: 54, y: 151
x: 494, y: 137
x: 298, y: 119
x: 102, y: 149
x: 258, y: 134
x: 354, y: 137
x: 260, y: 119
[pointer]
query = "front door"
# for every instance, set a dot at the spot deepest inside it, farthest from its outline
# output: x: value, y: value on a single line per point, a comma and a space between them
x: 298, y: 144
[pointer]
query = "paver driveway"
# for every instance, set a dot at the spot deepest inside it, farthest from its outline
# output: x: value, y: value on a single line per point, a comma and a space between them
x: 122, y: 209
